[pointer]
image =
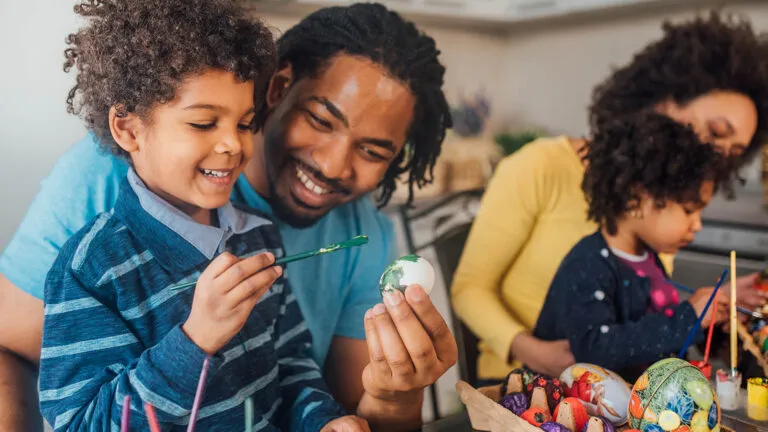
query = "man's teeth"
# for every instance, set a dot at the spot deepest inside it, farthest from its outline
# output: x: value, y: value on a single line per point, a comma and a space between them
x: 309, y: 184
x: 215, y: 173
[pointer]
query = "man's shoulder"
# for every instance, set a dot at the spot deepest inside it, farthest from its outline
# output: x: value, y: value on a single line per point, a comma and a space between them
x: 87, y: 161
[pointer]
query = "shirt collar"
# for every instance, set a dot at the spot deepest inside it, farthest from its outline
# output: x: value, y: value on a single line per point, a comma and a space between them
x: 173, y: 228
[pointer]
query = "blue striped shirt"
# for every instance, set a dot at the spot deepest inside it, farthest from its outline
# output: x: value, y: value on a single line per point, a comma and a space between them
x: 116, y: 275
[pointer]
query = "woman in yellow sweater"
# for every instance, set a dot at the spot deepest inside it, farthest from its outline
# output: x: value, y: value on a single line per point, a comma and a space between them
x: 711, y: 73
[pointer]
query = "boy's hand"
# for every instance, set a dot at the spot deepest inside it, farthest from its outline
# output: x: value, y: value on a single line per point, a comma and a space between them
x: 347, y: 424
x: 699, y: 301
x: 225, y: 294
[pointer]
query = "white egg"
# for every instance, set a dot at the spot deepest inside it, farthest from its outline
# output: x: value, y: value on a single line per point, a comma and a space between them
x: 408, y: 270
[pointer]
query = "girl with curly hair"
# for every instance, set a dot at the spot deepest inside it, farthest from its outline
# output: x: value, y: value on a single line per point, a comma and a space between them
x: 169, y: 85
x: 710, y: 72
x: 647, y: 180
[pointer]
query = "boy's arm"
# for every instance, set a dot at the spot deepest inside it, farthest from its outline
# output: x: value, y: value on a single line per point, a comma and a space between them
x: 86, y: 371
x: 592, y: 324
x: 307, y: 403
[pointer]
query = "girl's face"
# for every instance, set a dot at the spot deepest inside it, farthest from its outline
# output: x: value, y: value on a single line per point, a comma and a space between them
x: 667, y: 229
x: 191, y: 150
x: 724, y: 118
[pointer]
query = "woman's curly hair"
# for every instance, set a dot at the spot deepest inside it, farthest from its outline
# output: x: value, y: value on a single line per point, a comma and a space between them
x: 133, y: 54
x: 650, y: 154
x: 718, y: 52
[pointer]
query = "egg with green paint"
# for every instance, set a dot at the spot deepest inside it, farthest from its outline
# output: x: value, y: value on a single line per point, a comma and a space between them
x: 405, y: 271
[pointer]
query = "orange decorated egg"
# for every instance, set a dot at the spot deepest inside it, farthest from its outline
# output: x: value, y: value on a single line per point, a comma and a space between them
x: 571, y: 413
x: 536, y: 416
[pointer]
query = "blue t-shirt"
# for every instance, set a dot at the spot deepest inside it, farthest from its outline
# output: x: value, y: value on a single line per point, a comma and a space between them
x: 333, y: 290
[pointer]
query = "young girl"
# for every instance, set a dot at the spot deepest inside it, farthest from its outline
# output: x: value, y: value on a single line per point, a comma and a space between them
x: 170, y: 86
x: 647, y: 180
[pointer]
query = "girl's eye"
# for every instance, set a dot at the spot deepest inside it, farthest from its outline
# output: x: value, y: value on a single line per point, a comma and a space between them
x: 202, y: 126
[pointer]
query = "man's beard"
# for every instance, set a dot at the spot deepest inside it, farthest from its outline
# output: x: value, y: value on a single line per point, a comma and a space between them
x: 285, y: 213
x: 276, y: 157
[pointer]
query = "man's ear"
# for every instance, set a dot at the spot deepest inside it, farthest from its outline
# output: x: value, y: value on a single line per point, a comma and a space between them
x: 124, y: 127
x: 279, y: 85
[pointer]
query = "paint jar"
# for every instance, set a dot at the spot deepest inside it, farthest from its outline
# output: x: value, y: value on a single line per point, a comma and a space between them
x: 757, y: 398
x: 728, y: 387
x: 705, y: 368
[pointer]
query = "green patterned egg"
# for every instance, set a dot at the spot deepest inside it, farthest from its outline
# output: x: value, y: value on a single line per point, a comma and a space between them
x: 673, y: 392
x: 407, y: 270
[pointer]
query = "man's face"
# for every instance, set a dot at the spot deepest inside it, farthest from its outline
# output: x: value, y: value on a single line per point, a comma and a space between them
x: 330, y: 139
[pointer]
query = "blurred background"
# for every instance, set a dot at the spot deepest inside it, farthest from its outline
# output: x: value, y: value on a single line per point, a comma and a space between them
x: 515, y: 69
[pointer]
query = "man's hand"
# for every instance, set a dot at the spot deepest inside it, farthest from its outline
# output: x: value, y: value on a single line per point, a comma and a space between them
x: 410, y: 347
x: 548, y: 357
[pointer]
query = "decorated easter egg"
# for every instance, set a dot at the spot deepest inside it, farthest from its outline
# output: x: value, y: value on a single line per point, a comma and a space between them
x: 673, y: 395
x: 551, y: 426
x: 407, y: 270
x: 571, y: 413
x: 536, y: 416
x: 517, y: 380
x: 515, y: 402
x: 603, y: 392
x: 599, y: 424
x: 551, y: 393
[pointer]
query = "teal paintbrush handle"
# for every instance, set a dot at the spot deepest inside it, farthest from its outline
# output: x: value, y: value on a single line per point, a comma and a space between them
x: 355, y: 241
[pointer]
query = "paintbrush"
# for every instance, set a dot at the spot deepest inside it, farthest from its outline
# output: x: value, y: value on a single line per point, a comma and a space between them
x: 704, y: 313
x: 745, y: 311
x: 333, y: 247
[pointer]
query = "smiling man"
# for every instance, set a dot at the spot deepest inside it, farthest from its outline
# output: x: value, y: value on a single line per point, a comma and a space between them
x: 355, y: 103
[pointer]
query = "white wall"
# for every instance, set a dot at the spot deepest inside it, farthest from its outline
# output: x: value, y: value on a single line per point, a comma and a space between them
x: 550, y: 71
x: 34, y: 125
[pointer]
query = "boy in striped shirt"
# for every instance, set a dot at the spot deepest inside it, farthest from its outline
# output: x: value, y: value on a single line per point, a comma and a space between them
x: 170, y: 86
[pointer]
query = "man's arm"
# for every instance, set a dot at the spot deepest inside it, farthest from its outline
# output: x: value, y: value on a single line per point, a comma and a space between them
x: 21, y: 323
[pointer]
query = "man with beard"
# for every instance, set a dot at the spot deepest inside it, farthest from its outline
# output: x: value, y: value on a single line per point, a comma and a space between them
x: 354, y: 87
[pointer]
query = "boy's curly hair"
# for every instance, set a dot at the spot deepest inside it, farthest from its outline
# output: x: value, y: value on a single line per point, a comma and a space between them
x: 649, y: 154
x: 133, y: 54
x: 718, y: 52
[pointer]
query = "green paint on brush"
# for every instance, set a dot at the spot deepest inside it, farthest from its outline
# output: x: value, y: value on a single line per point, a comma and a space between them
x: 354, y: 241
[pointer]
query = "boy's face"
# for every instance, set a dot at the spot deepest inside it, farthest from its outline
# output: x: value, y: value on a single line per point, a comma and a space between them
x: 673, y: 226
x: 191, y: 150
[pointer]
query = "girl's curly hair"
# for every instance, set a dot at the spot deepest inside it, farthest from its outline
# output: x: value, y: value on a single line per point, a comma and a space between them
x: 650, y: 154
x: 716, y: 52
x: 133, y: 54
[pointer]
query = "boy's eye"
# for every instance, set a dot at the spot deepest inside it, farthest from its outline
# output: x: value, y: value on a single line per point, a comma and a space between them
x: 202, y: 126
